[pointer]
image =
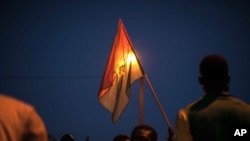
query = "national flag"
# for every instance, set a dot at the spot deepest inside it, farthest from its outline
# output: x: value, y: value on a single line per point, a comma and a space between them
x: 122, y: 69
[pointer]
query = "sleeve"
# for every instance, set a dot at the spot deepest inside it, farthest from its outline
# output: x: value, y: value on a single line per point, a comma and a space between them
x: 182, y: 127
x: 36, y: 130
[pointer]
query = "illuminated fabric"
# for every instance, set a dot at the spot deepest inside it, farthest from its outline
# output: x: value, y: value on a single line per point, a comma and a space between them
x: 121, y: 71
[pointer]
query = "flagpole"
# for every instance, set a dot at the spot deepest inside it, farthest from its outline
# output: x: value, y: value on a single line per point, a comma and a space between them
x: 141, y: 101
x: 157, y: 101
x: 160, y: 106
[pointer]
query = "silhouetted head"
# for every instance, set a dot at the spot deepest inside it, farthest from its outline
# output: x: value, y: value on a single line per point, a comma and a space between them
x: 67, y: 137
x: 121, y: 138
x: 143, y: 133
x: 214, y: 75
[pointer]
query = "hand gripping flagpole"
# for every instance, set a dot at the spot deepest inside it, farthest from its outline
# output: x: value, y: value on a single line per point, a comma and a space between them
x: 150, y: 85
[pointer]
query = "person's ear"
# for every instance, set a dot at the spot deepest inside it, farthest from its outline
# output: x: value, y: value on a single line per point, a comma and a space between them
x: 201, y: 80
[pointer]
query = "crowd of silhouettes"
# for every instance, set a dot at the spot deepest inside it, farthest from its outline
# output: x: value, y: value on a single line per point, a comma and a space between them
x: 138, y: 133
x: 141, y: 132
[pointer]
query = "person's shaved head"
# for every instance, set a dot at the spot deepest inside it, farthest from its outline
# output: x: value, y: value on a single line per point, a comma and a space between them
x: 214, y: 74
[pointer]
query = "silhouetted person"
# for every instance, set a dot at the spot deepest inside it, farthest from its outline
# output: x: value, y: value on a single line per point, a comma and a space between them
x: 217, y: 114
x: 67, y: 137
x: 121, y: 137
x: 143, y: 133
x: 19, y: 121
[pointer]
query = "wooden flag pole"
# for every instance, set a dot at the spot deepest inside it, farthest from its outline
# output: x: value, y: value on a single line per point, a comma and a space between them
x: 157, y: 101
x: 141, y: 101
x: 159, y: 105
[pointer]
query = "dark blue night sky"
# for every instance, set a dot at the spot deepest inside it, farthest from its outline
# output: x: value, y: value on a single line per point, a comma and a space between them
x: 53, y: 55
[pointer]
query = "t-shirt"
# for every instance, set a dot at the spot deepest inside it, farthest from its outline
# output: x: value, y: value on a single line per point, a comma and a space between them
x: 214, y: 117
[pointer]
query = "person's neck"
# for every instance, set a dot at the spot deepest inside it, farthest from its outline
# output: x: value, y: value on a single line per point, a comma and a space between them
x: 217, y: 89
x: 212, y: 92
